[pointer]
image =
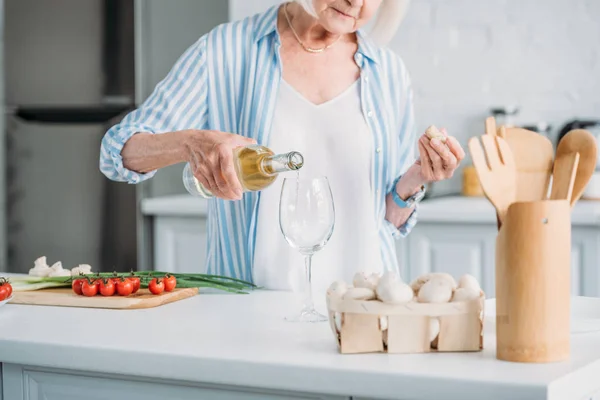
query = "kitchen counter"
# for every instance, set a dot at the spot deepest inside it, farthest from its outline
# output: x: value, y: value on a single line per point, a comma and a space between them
x: 235, y: 346
x: 442, y: 209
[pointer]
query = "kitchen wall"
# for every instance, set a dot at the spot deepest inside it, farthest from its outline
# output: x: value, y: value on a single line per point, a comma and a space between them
x: 53, y: 57
x: 466, y: 56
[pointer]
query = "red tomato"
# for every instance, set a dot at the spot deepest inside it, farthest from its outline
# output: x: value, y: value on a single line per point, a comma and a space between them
x: 156, y: 286
x: 89, y: 288
x: 10, y: 289
x: 107, y: 287
x: 135, y: 281
x: 124, y: 287
x: 5, y: 290
x: 170, y: 282
x: 76, y: 285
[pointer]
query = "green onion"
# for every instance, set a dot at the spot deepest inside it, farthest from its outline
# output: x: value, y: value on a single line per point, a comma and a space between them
x: 222, y: 283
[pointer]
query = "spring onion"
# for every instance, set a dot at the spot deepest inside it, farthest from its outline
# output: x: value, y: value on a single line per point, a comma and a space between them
x: 184, y: 280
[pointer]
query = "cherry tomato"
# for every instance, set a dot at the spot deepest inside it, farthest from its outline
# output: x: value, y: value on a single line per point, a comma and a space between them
x: 124, y: 287
x: 5, y: 290
x: 170, y: 282
x: 156, y: 286
x: 107, y: 287
x: 10, y: 288
x: 76, y: 285
x: 135, y: 281
x: 89, y: 288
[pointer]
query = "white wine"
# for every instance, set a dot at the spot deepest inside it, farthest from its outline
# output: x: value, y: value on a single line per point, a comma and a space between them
x: 256, y: 167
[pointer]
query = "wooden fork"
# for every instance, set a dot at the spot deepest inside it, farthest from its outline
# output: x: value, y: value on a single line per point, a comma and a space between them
x: 496, y: 170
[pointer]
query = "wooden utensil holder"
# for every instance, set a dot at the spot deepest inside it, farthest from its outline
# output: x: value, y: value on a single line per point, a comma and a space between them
x: 533, y: 251
x: 373, y: 326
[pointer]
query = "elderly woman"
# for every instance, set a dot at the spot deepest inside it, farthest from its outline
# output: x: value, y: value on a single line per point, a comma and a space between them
x: 300, y: 76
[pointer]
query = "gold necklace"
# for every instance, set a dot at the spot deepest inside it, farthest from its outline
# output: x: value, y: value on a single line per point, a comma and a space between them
x: 309, y: 49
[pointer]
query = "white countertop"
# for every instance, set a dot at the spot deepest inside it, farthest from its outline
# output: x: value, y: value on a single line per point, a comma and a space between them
x: 450, y: 209
x: 243, y: 340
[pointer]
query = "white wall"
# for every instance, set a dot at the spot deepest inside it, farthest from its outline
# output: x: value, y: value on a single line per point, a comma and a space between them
x: 466, y: 56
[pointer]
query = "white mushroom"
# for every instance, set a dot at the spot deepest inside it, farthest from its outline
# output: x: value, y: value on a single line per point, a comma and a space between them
x: 435, y: 291
x: 84, y: 269
x: 359, y: 294
x: 434, y: 328
x: 394, y: 292
x: 421, y: 280
x: 40, y: 267
x: 364, y: 280
x: 337, y: 289
x: 57, y: 270
x: 433, y: 132
x: 465, y: 294
x: 469, y: 281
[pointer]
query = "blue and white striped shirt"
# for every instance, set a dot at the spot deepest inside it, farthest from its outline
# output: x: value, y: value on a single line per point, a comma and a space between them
x: 228, y: 81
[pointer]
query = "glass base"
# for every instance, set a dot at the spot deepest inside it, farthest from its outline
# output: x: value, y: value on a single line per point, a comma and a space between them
x: 307, y: 316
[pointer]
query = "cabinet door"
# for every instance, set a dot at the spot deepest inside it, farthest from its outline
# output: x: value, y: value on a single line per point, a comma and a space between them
x: 180, y: 244
x: 33, y: 384
x: 451, y: 248
x: 585, y: 259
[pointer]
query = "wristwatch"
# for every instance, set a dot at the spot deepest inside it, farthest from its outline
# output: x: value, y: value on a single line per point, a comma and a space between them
x: 411, y: 201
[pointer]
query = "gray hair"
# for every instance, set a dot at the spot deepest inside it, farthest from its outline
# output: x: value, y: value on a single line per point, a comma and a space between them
x: 390, y: 15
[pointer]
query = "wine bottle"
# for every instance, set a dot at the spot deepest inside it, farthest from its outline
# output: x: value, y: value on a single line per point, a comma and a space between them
x: 256, y: 167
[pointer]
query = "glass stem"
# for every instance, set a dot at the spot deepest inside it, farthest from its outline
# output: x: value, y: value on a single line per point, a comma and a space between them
x: 308, y: 299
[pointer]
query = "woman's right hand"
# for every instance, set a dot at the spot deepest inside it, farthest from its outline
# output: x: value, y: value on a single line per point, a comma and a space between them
x: 210, y: 155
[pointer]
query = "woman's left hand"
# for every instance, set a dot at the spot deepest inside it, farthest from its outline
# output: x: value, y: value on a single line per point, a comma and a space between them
x: 439, y: 160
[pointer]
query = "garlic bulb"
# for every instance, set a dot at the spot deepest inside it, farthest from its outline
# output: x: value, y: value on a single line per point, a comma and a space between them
x: 469, y: 282
x: 434, y: 328
x: 435, y: 291
x: 57, y: 270
x: 337, y: 289
x: 84, y: 269
x: 359, y: 293
x: 421, y: 280
x: 40, y: 267
x: 394, y: 292
x: 465, y: 294
x: 364, y: 280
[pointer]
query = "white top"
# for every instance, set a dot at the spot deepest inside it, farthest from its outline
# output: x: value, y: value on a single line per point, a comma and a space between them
x: 243, y: 340
x: 335, y: 141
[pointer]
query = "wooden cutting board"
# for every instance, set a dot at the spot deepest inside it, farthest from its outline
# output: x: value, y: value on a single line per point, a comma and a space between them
x: 66, y: 298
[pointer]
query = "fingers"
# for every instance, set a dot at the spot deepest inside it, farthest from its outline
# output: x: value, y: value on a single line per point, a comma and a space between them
x: 455, y: 148
x: 426, y: 167
x: 227, y: 177
x: 436, y: 160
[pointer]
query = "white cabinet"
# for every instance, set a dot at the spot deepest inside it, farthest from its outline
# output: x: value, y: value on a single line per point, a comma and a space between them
x: 178, y: 232
x: 458, y: 236
x: 453, y: 248
x: 180, y: 244
x: 46, y: 384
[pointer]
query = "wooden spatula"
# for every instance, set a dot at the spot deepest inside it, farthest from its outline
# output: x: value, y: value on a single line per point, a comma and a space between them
x: 563, y: 177
x: 582, y: 142
x: 497, y: 174
x: 533, y: 154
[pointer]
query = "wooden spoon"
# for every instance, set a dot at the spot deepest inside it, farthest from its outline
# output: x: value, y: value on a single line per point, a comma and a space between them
x: 533, y: 154
x: 582, y: 142
x: 563, y: 177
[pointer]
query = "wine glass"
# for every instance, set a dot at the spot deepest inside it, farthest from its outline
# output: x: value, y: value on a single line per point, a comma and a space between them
x: 306, y: 218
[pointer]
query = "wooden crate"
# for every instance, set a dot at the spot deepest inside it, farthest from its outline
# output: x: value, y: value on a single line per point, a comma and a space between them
x: 373, y: 326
